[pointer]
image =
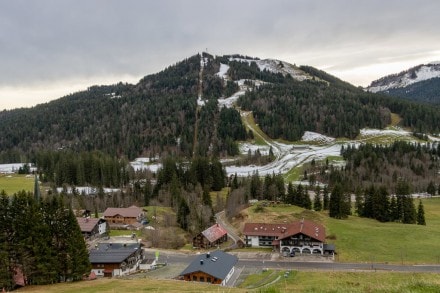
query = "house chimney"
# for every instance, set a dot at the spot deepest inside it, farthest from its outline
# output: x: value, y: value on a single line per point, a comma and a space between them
x: 201, y: 262
x: 208, y: 254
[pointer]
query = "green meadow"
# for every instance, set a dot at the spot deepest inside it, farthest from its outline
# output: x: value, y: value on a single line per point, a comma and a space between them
x: 12, y: 183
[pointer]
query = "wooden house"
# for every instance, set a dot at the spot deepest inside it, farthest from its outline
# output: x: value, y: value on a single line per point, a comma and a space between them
x: 92, y: 227
x: 210, y: 237
x: 124, y: 216
x: 298, y: 237
x: 115, y: 259
x: 214, y: 267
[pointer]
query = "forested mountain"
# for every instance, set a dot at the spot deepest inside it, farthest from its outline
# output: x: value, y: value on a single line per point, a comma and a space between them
x: 420, y: 83
x: 176, y: 111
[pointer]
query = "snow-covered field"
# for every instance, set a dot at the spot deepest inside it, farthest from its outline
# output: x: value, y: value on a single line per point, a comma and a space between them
x: 13, y: 168
x: 313, y: 136
x: 87, y: 190
x: 379, y: 132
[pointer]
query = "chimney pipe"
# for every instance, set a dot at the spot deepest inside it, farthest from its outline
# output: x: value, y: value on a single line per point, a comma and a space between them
x: 201, y: 262
x: 208, y: 254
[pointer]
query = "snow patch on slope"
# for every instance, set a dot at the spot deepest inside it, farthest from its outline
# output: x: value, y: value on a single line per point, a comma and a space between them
x: 417, y: 74
x: 222, y: 73
x: 277, y: 66
x: 379, y: 132
x: 313, y: 136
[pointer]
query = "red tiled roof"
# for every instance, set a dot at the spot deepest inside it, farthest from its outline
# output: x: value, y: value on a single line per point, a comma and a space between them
x: 214, y: 232
x: 131, y: 212
x: 306, y: 227
x: 282, y: 231
x: 87, y: 224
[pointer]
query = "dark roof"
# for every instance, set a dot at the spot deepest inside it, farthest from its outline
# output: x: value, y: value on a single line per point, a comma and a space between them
x: 112, y: 252
x: 282, y: 231
x: 87, y: 224
x: 218, y: 264
x: 130, y: 212
x: 214, y: 232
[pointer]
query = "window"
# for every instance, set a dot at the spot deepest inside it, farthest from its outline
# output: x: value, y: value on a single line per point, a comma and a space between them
x: 202, y: 279
x: 208, y: 280
x: 194, y: 278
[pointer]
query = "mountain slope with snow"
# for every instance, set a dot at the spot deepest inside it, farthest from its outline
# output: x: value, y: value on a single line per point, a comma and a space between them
x: 406, y: 78
x: 420, y: 83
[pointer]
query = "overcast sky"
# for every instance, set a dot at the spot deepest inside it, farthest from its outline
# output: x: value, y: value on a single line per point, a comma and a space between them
x: 52, y: 48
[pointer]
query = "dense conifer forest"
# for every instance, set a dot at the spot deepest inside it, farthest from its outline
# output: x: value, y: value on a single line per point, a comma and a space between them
x: 159, y: 115
x: 41, y: 242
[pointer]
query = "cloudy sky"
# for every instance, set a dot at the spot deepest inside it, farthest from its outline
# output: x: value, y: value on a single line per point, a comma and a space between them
x: 49, y: 48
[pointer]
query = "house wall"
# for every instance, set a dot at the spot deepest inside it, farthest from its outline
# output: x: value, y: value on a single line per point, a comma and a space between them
x: 197, y: 277
x: 260, y: 241
x: 200, y: 241
x: 102, y: 227
x: 121, y: 220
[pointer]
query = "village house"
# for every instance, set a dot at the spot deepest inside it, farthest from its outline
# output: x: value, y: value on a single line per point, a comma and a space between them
x: 116, y: 259
x: 211, y: 237
x: 92, y: 227
x: 214, y: 267
x: 302, y: 236
x: 124, y: 216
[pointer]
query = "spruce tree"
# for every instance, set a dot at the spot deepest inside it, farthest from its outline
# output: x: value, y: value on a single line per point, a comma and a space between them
x: 339, y: 206
x: 421, y: 214
x: 317, y: 204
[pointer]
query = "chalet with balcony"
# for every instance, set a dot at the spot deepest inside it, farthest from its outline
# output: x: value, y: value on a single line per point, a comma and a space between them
x: 298, y: 237
x: 211, y: 237
x: 124, y: 216
x: 92, y: 227
x: 116, y: 259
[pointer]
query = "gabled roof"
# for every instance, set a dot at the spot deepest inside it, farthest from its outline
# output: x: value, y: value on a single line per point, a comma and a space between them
x: 130, y: 212
x: 218, y: 264
x: 263, y: 229
x: 214, y: 232
x: 306, y: 227
x: 112, y: 252
x: 87, y: 224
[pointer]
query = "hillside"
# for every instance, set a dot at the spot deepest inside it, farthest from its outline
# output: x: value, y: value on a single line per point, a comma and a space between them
x: 420, y: 83
x: 186, y: 110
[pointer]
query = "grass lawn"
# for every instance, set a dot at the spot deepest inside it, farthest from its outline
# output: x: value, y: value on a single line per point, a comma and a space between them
x: 366, y: 240
x: 270, y: 281
x: 259, y: 136
x: 12, y: 183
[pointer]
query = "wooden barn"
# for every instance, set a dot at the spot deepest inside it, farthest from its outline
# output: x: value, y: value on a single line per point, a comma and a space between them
x: 210, y: 237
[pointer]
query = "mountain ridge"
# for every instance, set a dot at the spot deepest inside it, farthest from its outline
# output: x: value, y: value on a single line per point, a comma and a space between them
x: 159, y: 114
x: 419, y: 83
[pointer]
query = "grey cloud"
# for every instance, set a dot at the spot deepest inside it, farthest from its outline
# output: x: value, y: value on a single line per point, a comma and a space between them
x: 47, y: 40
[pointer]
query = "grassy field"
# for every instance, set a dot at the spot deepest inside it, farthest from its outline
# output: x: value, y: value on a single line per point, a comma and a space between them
x: 366, y: 240
x: 270, y: 281
x: 13, y: 183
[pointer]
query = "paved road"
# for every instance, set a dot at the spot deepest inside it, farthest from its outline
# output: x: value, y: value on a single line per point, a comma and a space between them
x: 172, y: 257
x: 221, y: 220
